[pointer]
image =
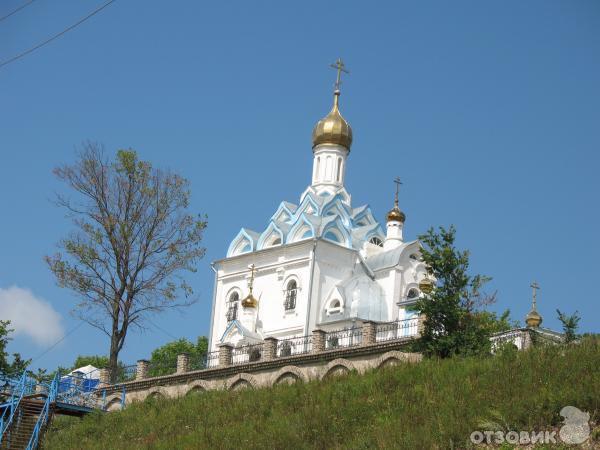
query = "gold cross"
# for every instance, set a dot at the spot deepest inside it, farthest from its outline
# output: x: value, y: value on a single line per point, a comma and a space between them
x: 253, y: 270
x: 535, y: 288
x: 398, y: 183
x: 339, y: 65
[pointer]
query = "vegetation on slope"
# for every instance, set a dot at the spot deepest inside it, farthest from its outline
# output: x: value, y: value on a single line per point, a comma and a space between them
x: 432, y: 404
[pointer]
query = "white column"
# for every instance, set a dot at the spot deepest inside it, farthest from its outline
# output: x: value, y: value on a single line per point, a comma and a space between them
x: 329, y: 167
x: 393, y: 238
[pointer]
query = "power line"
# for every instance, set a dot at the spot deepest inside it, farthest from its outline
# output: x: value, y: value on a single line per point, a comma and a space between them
x: 16, y: 10
x: 71, y: 331
x: 162, y: 329
x: 56, y: 36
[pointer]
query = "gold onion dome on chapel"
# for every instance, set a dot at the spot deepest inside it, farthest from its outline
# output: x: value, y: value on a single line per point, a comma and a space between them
x: 533, y: 317
x: 250, y: 301
x: 333, y: 128
x: 395, y: 215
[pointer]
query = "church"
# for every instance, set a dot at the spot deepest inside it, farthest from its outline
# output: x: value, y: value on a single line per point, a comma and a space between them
x: 321, y: 263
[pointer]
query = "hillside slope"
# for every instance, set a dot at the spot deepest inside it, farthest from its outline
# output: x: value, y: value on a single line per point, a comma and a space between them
x: 433, y: 404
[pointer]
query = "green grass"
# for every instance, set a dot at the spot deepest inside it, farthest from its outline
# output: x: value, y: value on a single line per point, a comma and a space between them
x: 433, y: 404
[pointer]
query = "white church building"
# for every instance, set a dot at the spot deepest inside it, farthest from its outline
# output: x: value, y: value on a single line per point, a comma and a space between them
x: 320, y: 263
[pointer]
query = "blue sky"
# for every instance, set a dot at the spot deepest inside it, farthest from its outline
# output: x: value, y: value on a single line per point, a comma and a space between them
x: 489, y: 111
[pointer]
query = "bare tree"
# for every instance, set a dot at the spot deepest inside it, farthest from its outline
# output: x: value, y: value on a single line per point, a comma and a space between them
x: 132, y: 241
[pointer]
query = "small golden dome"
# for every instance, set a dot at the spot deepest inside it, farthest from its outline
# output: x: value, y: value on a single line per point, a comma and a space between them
x: 396, y: 215
x: 333, y: 128
x: 250, y: 301
x: 426, y: 285
x: 533, y: 319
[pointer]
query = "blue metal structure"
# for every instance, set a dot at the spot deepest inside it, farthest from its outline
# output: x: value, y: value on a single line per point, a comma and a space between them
x: 44, y: 414
x: 17, y: 390
x: 27, y: 406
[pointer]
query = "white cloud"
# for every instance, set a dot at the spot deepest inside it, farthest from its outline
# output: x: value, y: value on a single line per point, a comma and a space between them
x: 30, y: 315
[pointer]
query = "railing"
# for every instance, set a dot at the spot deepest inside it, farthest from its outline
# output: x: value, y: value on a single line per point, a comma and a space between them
x: 75, y: 390
x: 294, y: 346
x: 246, y: 354
x: 43, y: 417
x: 205, y: 361
x: 161, y: 368
x: 126, y: 373
x: 18, y: 390
x: 350, y: 337
x: 396, y: 330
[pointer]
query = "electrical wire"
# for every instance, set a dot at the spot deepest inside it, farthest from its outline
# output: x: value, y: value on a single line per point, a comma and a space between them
x: 56, y: 36
x: 71, y: 331
x: 16, y: 10
x: 162, y: 329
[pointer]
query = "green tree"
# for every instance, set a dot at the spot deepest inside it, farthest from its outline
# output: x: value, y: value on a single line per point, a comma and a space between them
x: 18, y: 364
x: 570, y: 324
x: 132, y: 241
x: 454, y: 324
x: 163, y: 360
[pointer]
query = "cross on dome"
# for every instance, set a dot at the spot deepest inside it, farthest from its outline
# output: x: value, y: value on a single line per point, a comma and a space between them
x: 250, y: 301
x: 340, y: 67
x: 395, y: 215
x: 333, y: 128
x: 533, y: 318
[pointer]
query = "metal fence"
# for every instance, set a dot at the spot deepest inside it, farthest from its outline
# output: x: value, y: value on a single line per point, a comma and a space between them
x: 350, y: 337
x: 161, y: 368
x: 294, y: 346
x: 396, y: 330
x: 126, y: 373
x: 205, y: 361
x: 246, y: 354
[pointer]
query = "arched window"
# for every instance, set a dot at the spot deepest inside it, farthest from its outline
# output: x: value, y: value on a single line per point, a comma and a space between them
x: 232, y: 306
x: 376, y: 241
x: 413, y: 293
x: 318, y: 171
x: 291, y: 293
x: 339, y: 170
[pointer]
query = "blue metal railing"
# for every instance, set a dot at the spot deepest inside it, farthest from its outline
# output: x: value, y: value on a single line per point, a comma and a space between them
x: 44, y: 414
x: 10, y: 407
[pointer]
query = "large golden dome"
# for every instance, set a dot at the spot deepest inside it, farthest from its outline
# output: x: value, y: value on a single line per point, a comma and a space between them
x: 333, y: 128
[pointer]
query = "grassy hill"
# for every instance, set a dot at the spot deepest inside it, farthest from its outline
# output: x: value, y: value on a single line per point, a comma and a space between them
x: 433, y: 404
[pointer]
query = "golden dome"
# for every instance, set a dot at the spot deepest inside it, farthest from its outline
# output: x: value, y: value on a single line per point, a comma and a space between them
x: 333, y: 128
x: 533, y: 319
x: 426, y: 285
x: 250, y: 301
x: 396, y: 215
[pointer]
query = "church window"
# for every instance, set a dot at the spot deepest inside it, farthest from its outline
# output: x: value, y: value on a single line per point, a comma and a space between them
x: 318, y: 167
x: 291, y: 293
x: 376, y: 241
x: 335, y: 306
x: 328, y: 169
x: 413, y: 293
x: 339, y: 169
x: 232, y: 306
